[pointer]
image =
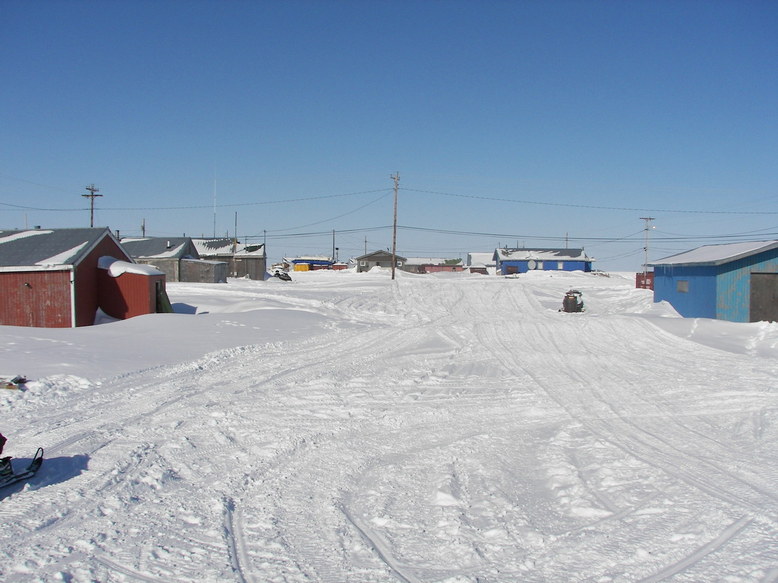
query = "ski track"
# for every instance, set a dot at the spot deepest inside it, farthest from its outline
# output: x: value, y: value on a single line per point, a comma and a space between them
x: 356, y: 456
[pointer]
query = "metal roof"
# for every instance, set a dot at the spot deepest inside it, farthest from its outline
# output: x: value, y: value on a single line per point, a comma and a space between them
x: 717, y: 254
x: 48, y: 247
x: 159, y: 247
x: 540, y: 254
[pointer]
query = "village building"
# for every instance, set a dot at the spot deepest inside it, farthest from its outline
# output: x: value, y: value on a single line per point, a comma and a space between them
x: 177, y: 257
x: 243, y: 260
x: 483, y: 263
x: 309, y: 263
x: 378, y: 259
x: 737, y: 282
x: 521, y: 260
x: 59, y: 278
x: 432, y: 265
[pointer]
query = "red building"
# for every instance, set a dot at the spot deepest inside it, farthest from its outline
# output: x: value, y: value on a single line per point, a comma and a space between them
x: 60, y: 278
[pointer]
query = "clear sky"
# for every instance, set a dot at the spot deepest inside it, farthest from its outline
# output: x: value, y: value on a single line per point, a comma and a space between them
x: 546, y: 124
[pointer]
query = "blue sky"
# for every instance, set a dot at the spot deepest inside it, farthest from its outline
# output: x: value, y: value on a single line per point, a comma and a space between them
x: 510, y: 123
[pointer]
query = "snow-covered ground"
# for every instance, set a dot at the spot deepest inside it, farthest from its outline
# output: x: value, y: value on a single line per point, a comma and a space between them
x: 345, y: 427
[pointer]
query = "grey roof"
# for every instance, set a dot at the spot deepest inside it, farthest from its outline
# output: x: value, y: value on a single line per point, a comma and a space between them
x: 49, y: 247
x: 220, y: 247
x: 541, y: 254
x: 717, y: 254
x: 159, y: 247
x: 379, y: 253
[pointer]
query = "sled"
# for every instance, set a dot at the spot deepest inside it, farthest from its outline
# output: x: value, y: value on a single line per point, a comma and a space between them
x: 12, y: 382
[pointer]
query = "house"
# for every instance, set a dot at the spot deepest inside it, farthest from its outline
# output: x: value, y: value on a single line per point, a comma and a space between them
x: 243, y: 260
x: 521, y: 260
x: 482, y: 263
x: 737, y: 282
x: 377, y: 259
x: 59, y: 278
x: 432, y: 265
x: 177, y: 257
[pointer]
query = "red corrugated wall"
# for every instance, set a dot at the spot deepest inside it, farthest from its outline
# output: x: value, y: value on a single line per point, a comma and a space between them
x: 130, y: 294
x: 35, y: 298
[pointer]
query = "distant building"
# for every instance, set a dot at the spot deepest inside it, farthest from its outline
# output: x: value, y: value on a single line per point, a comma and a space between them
x: 432, y: 265
x: 737, y: 282
x: 309, y: 263
x: 483, y: 263
x: 377, y: 259
x: 60, y: 278
x: 177, y: 257
x: 521, y: 260
x: 243, y: 260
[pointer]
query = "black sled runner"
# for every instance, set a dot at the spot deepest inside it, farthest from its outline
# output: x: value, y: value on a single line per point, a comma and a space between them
x: 11, y: 477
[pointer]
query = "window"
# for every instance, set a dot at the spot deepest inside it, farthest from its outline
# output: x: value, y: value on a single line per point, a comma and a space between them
x: 682, y: 286
x: 362, y: 263
x: 560, y: 264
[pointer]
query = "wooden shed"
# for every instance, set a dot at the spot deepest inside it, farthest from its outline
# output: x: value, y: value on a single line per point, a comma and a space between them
x: 737, y: 282
x: 57, y: 278
x: 522, y: 259
x: 177, y: 257
x: 243, y: 260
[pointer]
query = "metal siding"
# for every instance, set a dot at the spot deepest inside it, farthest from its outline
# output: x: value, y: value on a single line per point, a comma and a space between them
x: 87, y: 288
x: 733, y: 297
x: 36, y: 298
x: 129, y: 295
x: 699, y: 301
x: 522, y: 266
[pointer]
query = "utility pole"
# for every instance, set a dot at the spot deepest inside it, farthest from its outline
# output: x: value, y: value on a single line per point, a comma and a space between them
x: 333, y: 245
x: 645, y: 246
x: 396, y: 178
x: 92, y: 196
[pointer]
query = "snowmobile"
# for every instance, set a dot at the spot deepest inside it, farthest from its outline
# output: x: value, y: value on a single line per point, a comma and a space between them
x: 282, y: 275
x: 572, y: 302
x: 8, y: 475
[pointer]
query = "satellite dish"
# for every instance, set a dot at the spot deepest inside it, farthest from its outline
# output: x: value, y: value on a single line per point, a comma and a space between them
x: 532, y: 264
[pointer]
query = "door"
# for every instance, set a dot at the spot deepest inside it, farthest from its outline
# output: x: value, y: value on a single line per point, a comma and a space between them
x: 764, y: 297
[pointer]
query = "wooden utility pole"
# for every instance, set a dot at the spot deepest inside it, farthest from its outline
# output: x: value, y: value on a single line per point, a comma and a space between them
x: 91, y: 196
x: 645, y: 246
x: 396, y: 178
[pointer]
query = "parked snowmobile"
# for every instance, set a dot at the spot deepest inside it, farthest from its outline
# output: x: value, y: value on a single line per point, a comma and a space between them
x: 282, y: 275
x: 572, y: 302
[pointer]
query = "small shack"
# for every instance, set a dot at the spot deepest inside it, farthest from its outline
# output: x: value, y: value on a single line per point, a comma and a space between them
x: 510, y: 261
x: 737, y: 282
x: 377, y: 259
x: 177, y: 257
x: 57, y: 278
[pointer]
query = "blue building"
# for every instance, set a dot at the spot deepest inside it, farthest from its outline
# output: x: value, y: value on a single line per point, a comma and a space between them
x: 736, y: 281
x: 522, y: 260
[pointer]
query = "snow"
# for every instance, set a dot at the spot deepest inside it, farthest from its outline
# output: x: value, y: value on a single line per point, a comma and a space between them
x: 116, y: 267
x: 347, y: 427
x: 22, y: 235
x: 716, y: 254
x: 63, y: 258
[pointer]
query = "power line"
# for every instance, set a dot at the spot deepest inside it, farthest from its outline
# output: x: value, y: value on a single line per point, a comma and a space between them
x: 589, y: 206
